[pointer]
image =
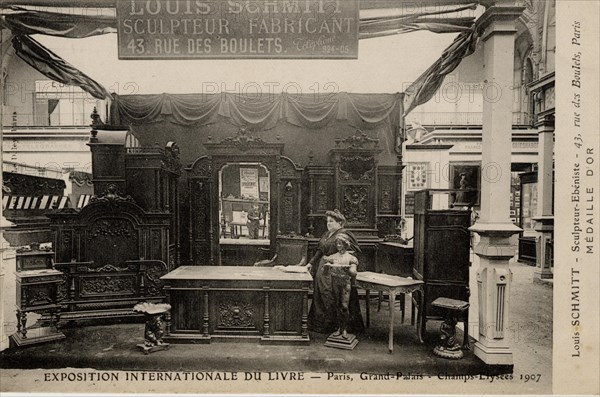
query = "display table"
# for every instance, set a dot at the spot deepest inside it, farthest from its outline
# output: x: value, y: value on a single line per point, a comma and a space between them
x: 232, y: 302
x: 393, y: 285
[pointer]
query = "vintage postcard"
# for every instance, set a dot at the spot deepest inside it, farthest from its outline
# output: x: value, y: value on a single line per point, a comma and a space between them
x: 353, y: 197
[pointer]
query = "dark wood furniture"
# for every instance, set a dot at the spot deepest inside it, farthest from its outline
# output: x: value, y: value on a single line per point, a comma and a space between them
x: 365, y: 192
x: 392, y: 285
x: 112, y: 254
x: 205, y: 226
x: 223, y: 302
x: 395, y: 259
x: 114, y: 250
x: 441, y: 252
x: 37, y: 291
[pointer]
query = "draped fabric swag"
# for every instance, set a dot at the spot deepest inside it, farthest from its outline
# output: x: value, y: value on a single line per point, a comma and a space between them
x: 427, y: 84
x: 54, y: 67
x: 259, y: 112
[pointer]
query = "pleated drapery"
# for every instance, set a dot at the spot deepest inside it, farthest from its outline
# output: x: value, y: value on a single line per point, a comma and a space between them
x: 259, y: 112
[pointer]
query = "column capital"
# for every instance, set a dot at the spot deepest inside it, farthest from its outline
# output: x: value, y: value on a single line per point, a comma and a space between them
x: 495, y: 229
x: 498, y: 19
x: 544, y: 223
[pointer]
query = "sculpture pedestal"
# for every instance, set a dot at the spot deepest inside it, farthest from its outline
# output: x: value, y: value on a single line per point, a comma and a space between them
x: 448, y: 348
x: 339, y: 342
x: 153, y: 331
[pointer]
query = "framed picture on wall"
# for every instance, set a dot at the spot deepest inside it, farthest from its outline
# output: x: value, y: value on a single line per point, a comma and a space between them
x: 466, y: 178
x: 417, y: 176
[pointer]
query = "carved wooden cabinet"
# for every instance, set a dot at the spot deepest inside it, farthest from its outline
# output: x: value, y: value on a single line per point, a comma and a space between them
x: 37, y: 291
x: 203, y: 176
x: 355, y: 177
x: 441, y: 251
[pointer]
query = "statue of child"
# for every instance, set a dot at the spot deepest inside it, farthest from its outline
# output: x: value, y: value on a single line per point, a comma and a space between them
x: 342, y: 267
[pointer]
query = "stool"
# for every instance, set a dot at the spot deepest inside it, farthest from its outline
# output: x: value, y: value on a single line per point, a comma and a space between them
x: 454, y: 308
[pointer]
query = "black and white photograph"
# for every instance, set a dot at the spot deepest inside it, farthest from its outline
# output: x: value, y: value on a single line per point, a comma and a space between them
x: 299, y: 197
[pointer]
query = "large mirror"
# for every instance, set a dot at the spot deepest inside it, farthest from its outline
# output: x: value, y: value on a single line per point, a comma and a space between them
x: 244, y: 204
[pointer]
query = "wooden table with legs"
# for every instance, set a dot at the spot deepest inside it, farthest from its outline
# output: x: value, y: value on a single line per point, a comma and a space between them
x: 393, y: 285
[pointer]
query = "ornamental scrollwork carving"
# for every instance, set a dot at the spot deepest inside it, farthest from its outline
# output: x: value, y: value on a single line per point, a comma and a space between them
x: 386, y: 196
x: 110, y: 285
x: 112, y: 228
x: 62, y: 288
x: 111, y: 196
x: 236, y: 315
x: 359, y: 140
x: 288, y: 207
x: 322, y: 197
x: 243, y: 140
x: 356, y: 203
x: 357, y: 168
x: 104, y: 269
x: 38, y: 295
x: 153, y: 274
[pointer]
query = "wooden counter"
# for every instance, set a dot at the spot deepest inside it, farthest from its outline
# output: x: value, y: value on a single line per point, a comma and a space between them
x: 232, y: 302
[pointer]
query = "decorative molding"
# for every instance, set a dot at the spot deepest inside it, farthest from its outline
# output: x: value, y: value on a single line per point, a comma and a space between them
x: 111, y: 196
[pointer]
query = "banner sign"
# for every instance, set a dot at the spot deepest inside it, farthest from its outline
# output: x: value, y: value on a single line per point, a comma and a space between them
x: 192, y: 29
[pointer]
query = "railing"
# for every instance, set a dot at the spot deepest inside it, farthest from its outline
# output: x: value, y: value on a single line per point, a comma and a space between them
x: 462, y: 118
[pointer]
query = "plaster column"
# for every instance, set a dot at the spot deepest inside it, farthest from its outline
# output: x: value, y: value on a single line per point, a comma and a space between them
x: 494, y: 225
x: 544, y: 218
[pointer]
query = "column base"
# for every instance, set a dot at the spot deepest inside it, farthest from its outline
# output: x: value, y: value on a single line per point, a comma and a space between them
x: 543, y: 274
x: 493, y: 355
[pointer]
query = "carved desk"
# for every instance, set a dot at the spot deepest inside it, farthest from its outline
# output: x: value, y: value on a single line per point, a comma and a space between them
x: 232, y: 302
x: 392, y: 285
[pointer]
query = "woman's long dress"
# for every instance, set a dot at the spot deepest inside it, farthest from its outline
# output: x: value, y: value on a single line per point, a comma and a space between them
x: 322, y: 314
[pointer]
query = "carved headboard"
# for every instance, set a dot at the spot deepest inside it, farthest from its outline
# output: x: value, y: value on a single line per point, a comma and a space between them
x: 112, y: 254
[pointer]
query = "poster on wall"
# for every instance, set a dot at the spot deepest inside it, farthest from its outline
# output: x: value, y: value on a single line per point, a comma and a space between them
x: 249, y: 182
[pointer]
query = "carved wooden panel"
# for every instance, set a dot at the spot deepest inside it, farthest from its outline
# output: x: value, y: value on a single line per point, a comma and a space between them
x: 388, y: 194
x: 112, y: 241
x: 102, y: 286
x: 323, y: 195
x: 356, y: 204
x: 200, y: 208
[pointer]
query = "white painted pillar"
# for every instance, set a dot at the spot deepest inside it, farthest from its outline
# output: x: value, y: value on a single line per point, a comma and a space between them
x: 544, y: 218
x: 494, y: 225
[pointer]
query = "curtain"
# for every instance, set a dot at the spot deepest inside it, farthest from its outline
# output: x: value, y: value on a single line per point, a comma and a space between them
x: 259, y: 113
